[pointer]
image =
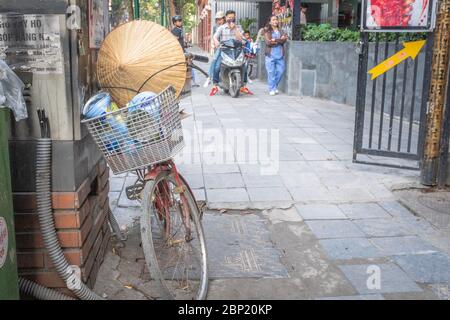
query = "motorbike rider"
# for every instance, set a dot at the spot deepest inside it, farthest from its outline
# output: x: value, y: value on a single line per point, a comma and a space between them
x: 220, y: 20
x: 229, y: 31
x: 177, y: 30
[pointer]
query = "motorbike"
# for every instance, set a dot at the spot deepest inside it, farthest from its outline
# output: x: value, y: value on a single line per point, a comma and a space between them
x: 232, y: 67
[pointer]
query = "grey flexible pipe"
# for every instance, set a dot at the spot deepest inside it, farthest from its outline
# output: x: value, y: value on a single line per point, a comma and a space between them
x: 40, y: 292
x: 47, y: 224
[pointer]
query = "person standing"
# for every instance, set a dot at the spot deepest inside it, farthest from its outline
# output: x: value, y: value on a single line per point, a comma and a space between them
x: 304, y: 9
x: 275, y: 39
x: 250, y: 50
x: 220, y: 20
x: 260, y: 35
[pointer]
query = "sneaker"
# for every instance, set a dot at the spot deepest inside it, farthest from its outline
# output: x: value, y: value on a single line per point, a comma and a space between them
x: 250, y: 80
x: 214, y: 90
x: 195, y: 85
x: 245, y: 90
x: 276, y: 91
x: 272, y: 93
x: 207, y: 82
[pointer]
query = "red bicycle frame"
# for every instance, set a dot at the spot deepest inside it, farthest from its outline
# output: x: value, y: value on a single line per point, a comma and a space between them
x: 165, y: 200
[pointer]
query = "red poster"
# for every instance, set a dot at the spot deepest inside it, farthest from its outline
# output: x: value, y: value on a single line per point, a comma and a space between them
x: 398, y: 14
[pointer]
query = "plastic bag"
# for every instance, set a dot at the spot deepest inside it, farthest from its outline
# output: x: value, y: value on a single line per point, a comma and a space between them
x: 11, y: 92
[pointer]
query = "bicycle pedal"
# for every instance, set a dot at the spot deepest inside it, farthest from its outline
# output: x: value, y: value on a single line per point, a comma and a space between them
x: 134, y: 192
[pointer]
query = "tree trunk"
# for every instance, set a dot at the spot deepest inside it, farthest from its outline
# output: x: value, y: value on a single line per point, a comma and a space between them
x: 130, y: 10
x: 172, y: 8
x: 175, y: 7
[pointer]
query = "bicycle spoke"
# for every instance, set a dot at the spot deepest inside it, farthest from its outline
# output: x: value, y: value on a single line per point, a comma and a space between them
x: 177, y: 247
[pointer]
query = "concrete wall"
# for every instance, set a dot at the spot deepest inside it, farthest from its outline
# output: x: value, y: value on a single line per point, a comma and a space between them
x: 329, y: 70
x: 323, y: 70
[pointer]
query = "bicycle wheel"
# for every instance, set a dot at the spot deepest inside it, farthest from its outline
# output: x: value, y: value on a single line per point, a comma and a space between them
x: 176, y: 258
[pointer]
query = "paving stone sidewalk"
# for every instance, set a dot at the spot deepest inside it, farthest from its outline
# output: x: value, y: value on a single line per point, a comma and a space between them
x: 328, y: 224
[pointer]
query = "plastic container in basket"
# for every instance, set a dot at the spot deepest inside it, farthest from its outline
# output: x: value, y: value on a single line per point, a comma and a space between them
x: 141, y: 134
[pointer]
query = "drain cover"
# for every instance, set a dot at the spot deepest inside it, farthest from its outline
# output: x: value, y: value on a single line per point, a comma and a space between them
x: 240, y: 247
x: 439, y: 202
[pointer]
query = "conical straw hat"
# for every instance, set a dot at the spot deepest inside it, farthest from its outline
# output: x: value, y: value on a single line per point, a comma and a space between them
x: 142, y: 56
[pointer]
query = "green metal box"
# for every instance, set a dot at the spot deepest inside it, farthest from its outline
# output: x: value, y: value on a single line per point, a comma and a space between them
x: 8, y: 261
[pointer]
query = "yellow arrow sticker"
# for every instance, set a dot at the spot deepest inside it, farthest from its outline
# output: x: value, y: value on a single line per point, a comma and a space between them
x: 410, y: 50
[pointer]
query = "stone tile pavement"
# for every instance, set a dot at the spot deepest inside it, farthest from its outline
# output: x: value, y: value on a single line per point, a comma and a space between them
x: 334, y: 229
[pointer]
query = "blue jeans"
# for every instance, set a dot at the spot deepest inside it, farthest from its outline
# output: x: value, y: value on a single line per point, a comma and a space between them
x: 275, y: 69
x: 193, y: 76
x: 217, y: 63
x: 213, y: 63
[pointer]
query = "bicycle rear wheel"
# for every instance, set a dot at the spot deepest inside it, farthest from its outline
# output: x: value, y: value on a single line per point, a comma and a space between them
x: 176, y: 258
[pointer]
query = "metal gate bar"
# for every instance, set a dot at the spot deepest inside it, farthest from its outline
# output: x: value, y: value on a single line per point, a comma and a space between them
x: 374, y: 89
x: 394, y: 87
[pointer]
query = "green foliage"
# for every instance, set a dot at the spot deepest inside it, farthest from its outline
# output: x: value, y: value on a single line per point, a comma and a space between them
x: 189, y: 12
x: 150, y: 10
x: 119, y: 9
x: 404, y: 37
x: 325, y: 32
x: 246, y: 23
x: 321, y: 32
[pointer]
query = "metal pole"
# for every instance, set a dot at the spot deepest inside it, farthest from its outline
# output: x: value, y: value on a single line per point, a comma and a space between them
x: 296, y: 26
x: 361, y: 93
x: 163, y: 13
x: 137, y: 11
x: 355, y: 14
x: 436, y: 102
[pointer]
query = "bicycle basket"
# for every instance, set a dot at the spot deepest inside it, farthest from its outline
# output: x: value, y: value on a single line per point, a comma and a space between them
x: 139, y: 135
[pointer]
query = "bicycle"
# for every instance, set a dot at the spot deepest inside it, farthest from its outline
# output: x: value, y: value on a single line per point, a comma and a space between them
x: 143, y: 138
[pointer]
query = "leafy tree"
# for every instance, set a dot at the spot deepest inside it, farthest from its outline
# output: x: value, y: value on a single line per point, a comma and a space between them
x: 246, y: 23
x: 122, y: 10
x: 150, y: 10
x: 118, y: 12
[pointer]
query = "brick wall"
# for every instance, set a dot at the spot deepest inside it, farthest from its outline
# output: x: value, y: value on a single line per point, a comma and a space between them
x: 82, y: 229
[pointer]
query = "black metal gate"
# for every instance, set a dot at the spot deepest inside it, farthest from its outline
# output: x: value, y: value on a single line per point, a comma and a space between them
x: 391, y: 109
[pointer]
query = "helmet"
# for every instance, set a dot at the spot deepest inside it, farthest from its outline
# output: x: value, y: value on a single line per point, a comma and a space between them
x: 220, y: 15
x: 176, y: 18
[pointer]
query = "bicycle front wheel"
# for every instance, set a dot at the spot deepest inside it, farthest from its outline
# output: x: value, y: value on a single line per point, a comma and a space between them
x: 174, y: 247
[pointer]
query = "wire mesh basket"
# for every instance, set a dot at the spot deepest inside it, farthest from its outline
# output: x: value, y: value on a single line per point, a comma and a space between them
x: 139, y: 135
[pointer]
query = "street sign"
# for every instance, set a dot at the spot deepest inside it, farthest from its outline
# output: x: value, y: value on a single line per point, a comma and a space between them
x: 411, y: 50
x: 31, y: 42
x: 398, y: 15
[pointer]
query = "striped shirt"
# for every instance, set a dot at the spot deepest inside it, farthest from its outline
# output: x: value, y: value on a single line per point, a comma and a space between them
x: 224, y: 33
